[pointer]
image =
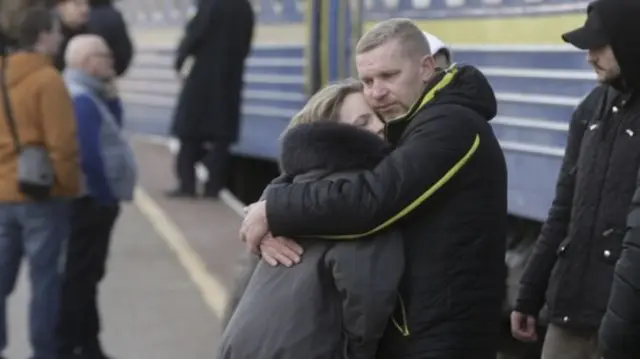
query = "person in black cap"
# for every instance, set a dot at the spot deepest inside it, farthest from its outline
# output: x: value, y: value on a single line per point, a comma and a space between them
x: 574, y: 257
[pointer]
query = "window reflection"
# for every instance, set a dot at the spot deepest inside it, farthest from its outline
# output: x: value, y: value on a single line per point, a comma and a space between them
x: 277, y: 5
x: 257, y: 5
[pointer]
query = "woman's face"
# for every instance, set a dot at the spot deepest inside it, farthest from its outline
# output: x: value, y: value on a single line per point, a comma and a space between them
x: 74, y: 13
x: 356, y: 112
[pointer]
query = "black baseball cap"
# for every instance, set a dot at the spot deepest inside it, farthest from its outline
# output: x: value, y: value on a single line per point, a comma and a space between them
x: 591, y: 35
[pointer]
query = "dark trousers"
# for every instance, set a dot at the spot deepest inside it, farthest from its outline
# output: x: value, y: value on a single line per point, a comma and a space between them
x: 214, y: 156
x: 87, y: 251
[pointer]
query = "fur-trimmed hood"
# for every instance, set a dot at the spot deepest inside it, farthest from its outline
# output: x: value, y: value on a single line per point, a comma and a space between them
x: 330, y: 147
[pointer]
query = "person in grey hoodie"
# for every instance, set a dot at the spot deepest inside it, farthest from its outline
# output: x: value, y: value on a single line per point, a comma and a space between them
x: 338, y: 301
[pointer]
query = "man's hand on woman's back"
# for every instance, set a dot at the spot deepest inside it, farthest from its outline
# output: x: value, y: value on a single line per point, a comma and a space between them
x: 280, y: 250
x: 254, y: 232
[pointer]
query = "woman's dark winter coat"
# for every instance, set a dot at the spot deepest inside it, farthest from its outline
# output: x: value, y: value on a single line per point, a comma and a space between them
x: 219, y: 39
x: 573, y: 260
x: 245, y: 266
x: 337, y: 302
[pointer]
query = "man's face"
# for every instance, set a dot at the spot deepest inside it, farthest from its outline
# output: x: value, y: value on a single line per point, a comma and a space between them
x: 50, y: 40
x: 604, y: 64
x: 393, y: 79
x: 100, y: 62
x: 74, y: 13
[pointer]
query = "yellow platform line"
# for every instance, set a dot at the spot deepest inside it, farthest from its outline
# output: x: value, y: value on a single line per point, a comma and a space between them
x: 213, y: 293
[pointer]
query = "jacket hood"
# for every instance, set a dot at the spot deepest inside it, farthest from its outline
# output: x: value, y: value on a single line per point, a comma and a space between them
x: 466, y: 86
x: 22, y: 65
x: 620, y: 22
x: 330, y: 147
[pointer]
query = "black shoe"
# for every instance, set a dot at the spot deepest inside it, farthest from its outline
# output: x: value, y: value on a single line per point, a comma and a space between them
x: 69, y: 354
x: 93, y: 351
x: 180, y: 193
x: 94, y: 355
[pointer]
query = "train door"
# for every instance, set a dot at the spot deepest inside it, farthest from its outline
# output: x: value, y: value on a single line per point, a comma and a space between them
x: 334, y: 26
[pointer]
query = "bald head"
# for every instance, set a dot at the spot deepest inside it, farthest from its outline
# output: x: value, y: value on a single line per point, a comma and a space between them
x: 82, y: 47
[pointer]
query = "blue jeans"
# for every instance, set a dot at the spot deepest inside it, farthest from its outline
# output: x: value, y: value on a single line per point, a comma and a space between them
x: 37, y: 231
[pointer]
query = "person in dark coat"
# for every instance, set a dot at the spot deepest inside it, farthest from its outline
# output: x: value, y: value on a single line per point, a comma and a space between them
x: 74, y: 18
x: 444, y: 186
x: 107, y: 21
x: 337, y: 303
x: 572, y: 264
x: 619, y: 336
x: 218, y: 37
x: 97, y: 17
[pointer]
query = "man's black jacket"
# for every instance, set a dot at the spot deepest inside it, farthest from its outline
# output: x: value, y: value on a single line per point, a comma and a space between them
x: 620, y: 328
x: 445, y: 186
x: 571, y: 267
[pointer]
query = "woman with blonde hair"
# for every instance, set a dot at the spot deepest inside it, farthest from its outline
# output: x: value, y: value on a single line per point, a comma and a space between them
x: 337, y: 302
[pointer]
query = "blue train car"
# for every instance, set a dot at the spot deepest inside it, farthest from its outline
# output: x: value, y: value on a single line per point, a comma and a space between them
x: 301, y: 44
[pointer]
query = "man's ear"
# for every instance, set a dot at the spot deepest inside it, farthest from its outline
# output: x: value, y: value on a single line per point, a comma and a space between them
x: 427, y: 67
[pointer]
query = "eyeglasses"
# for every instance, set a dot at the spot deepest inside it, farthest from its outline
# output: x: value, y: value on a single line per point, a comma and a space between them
x: 106, y: 55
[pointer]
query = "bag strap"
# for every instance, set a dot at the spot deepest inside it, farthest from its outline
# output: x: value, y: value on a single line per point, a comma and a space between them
x: 7, y: 106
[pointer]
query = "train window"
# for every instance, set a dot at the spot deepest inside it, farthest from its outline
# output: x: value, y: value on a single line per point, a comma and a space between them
x: 256, y: 5
x: 421, y: 4
x: 127, y: 11
x: 145, y: 10
x: 177, y: 9
x: 455, y: 3
x: 277, y: 6
x: 191, y: 11
x: 369, y: 4
x: 391, y: 4
x: 158, y: 11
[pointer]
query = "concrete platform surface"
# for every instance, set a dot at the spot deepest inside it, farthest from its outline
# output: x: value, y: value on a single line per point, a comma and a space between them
x: 151, y: 308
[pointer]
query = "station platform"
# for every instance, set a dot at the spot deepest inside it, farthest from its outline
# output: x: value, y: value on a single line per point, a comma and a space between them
x: 169, y: 272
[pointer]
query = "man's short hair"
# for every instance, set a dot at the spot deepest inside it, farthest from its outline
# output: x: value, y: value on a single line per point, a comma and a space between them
x: 12, y: 13
x: 34, y: 22
x: 411, y: 38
